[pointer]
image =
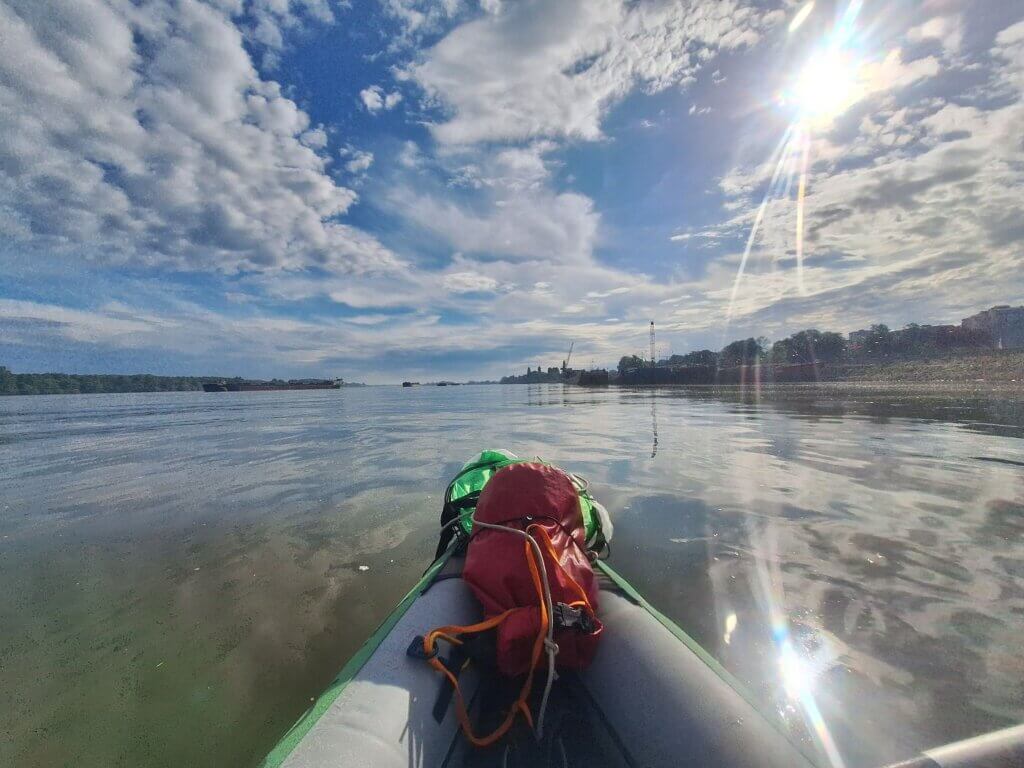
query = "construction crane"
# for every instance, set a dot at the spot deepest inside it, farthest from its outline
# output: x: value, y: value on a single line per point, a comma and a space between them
x: 653, y: 360
x: 568, y: 357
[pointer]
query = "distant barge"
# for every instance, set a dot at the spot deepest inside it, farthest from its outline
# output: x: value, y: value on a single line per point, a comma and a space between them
x: 595, y: 378
x: 267, y: 386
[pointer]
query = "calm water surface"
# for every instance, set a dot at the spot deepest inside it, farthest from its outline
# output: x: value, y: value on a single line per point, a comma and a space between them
x: 181, y: 572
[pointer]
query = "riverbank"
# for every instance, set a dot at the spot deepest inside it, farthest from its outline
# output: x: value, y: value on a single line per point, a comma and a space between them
x: 989, y: 367
x: 1000, y: 367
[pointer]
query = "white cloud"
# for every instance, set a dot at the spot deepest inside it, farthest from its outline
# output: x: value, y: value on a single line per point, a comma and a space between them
x: 23, y: 320
x: 919, y: 209
x: 182, y: 155
x: 372, y: 98
x: 515, y: 214
x: 314, y: 138
x: 375, y: 99
x: 469, y: 282
x: 419, y: 17
x: 605, y: 294
x: 351, y: 346
x: 573, y: 59
x: 360, y: 162
x: 946, y: 29
x: 272, y: 20
x: 917, y: 197
x: 539, y: 226
x: 409, y: 156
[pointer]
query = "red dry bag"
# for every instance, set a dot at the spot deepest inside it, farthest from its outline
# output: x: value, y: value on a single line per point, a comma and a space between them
x: 543, y: 501
x: 504, y: 572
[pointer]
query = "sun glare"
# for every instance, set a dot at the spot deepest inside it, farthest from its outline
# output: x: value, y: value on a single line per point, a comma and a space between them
x: 827, y: 87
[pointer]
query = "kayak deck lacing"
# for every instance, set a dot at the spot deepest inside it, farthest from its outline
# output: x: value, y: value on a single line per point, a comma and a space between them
x: 544, y: 642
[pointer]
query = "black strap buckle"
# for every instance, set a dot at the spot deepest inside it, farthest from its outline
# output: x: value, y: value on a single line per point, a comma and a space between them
x: 415, y: 649
x: 568, y: 617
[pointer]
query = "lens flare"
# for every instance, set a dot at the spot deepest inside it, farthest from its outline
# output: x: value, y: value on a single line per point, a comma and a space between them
x: 828, y: 85
x: 801, y: 16
x: 800, y: 195
x: 834, y: 79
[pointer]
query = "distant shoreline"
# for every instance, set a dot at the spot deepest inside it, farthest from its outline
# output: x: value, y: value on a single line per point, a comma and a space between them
x: 14, y: 384
x: 985, y: 368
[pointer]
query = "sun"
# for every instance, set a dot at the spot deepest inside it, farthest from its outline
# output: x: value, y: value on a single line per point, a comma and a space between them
x: 828, y: 85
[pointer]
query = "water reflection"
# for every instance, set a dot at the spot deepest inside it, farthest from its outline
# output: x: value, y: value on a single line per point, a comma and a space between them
x: 848, y: 538
x: 194, y: 568
x: 654, y: 426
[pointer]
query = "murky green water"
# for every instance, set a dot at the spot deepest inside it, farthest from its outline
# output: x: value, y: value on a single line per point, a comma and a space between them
x: 182, y: 572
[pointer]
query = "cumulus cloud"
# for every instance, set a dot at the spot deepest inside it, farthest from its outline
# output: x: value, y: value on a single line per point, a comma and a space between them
x: 226, y: 343
x: 144, y: 133
x: 24, y: 321
x: 375, y: 99
x: 513, y: 213
x: 268, y: 21
x: 558, y: 227
x: 918, y: 207
x: 359, y: 161
x: 421, y: 17
x: 573, y: 59
x: 947, y: 30
x: 469, y: 282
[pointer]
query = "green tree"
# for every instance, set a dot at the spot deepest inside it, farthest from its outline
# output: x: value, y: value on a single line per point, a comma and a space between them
x: 879, y: 341
x: 8, y: 382
x: 810, y: 346
x: 702, y: 357
x: 630, y: 361
x: 741, y: 352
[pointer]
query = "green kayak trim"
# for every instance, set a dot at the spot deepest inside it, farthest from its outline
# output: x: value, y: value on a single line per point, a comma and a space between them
x: 303, y: 725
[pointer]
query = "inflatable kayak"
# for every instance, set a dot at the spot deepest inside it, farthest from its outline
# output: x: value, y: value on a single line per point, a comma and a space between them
x: 650, y: 697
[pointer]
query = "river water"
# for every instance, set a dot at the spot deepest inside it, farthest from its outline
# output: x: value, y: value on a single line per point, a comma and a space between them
x: 182, y: 572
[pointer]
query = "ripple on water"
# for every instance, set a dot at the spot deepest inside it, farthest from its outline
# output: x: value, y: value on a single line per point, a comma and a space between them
x: 183, y: 571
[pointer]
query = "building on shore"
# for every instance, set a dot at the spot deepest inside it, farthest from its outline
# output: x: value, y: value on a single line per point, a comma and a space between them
x: 915, y: 334
x: 860, y: 338
x: 1004, y: 324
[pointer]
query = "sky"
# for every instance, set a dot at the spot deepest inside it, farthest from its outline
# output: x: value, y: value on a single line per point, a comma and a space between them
x: 400, y: 189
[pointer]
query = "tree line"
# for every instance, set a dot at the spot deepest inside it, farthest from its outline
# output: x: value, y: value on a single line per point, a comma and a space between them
x: 814, y: 346
x: 74, y: 384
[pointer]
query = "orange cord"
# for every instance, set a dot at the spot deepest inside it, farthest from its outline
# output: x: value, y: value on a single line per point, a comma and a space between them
x: 447, y: 632
x: 541, y: 533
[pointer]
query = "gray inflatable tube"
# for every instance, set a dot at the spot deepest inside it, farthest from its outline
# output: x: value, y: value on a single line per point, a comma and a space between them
x: 651, y: 698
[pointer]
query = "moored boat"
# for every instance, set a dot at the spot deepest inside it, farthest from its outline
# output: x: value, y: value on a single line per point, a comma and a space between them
x: 598, y: 377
